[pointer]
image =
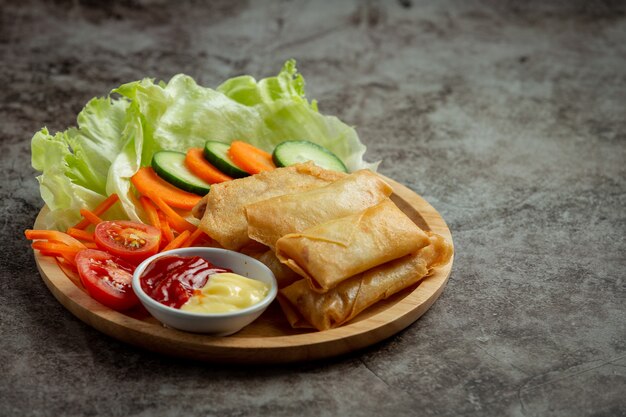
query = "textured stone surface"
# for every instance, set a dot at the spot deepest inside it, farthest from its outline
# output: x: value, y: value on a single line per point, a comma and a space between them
x: 509, y: 117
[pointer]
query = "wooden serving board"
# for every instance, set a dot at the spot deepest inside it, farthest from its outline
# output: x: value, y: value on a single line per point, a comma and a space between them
x: 270, y: 339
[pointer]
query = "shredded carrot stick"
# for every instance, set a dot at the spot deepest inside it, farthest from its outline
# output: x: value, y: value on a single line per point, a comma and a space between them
x: 91, y: 245
x: 54, y: 247
x: 176, y: 221
x: 80, y: 234
x: 53, y: 236
x: 192, y: 238
x: 90, y: 216
x: 67, y: 258
x: 99, y: 210
x: 151, y: 211
x: 178, y: 241
x: 166, y: 230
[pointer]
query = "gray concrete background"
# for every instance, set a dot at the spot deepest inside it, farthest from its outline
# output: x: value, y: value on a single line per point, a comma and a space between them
x: 509, y: 117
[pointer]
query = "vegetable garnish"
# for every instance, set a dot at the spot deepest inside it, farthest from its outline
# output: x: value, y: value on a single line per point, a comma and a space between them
x: 55, y: 243
x: 176, y: 221
x: 170, y: 166
x: 249, y: 158
x: 80, y: 234
x: 90, y: 217
x: 196, y: 235
x: 178, y: 241
x: 53, y: 236
x: 107, y: 278
x: 99, y: 210
x: 118, y: 135
x: 217, y: 154
x: 166, y: 231
x: 147, y: 183
x: 197, y: 164
x: 151, y: 212
x: 131, y: 241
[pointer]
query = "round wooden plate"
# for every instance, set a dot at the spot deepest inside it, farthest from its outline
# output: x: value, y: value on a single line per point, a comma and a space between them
x: 270, y: 339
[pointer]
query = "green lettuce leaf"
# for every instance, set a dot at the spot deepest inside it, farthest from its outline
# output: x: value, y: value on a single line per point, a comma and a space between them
x: 115, y: 137
x: 75, y: 163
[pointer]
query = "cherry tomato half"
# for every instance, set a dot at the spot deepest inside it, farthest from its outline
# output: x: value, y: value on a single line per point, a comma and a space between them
x: 131, y: 241
x: 107, y: 278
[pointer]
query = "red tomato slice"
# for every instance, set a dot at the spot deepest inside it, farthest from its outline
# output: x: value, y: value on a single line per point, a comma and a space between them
x: 107, y: 278
x: 131, y: 241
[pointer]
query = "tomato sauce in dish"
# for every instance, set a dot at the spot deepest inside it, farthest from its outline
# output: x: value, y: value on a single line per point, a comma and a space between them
x: 171, y: 280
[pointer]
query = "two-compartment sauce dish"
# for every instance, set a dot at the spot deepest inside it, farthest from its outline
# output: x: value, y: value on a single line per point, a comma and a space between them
x: 204, y: 290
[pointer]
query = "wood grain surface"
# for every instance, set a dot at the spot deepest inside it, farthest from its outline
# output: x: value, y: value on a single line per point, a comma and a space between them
x: 270, y: 339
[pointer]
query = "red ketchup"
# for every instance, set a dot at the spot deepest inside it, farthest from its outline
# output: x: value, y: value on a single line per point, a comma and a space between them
x: 171, y: 280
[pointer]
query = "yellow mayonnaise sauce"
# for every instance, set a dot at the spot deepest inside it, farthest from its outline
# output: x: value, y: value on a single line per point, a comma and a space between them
x: 226, y: 292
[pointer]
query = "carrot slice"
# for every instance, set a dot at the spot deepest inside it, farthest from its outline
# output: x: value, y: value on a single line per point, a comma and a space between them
x: 90, y: 216
x: 249, y: 158
x: 178, y: 241
x: 166, y: 230
x: 197, y: 164
x: 99, y: 210
x: 176, y: 221
x: 53, y: 236
x: 80, y: 234
x: 147, y: 182
x: 151, y: 211
x: 192, y: 238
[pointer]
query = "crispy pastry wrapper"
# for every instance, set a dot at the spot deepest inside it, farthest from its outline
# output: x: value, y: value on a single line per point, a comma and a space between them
x: 222, y: 209
x: 306, y: 308
x: 332, y: 252
x: 284, y: 275
x: 271, y: 219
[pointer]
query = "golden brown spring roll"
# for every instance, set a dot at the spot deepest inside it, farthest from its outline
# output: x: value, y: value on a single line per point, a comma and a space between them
x: 271, y: 219
x: 224, y: 218
x: 307, y: 308
x: 284, y: 275
x: 332, y: 252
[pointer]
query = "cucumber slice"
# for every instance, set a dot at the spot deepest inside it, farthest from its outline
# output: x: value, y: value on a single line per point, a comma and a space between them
x: 296, y: 151
x: 170, y: 166
x: 217, y: 154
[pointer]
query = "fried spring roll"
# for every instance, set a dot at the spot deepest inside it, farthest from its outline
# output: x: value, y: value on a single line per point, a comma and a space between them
x: 223, y: 216
x: 271, y: 219
x: 307, y: 308
x: 334, y: 251
x: 284, y: 275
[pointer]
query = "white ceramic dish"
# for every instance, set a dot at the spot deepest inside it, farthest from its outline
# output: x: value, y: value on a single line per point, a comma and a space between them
x: 222, y: 324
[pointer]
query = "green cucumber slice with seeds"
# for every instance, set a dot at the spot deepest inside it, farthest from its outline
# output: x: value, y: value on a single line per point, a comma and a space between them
x: 170, y: 166
x: 297, y: 151
x: 217, y: 154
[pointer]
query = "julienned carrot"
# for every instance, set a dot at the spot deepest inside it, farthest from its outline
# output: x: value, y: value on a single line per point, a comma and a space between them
x: 54, y: 247
x: 99, y: 210
x: 147, y: 182
x: 166, y: 230
x: 68, y: 257
x: 53, y: 236
x: 178, y: 241
x: 91, y: 245
x: 80, y: 234
x: 151, y: 211
x: 249, y: 158
x: 90, y: 216
x: 197, y: 164
x: 192, y: 238
x: 176, y: 221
